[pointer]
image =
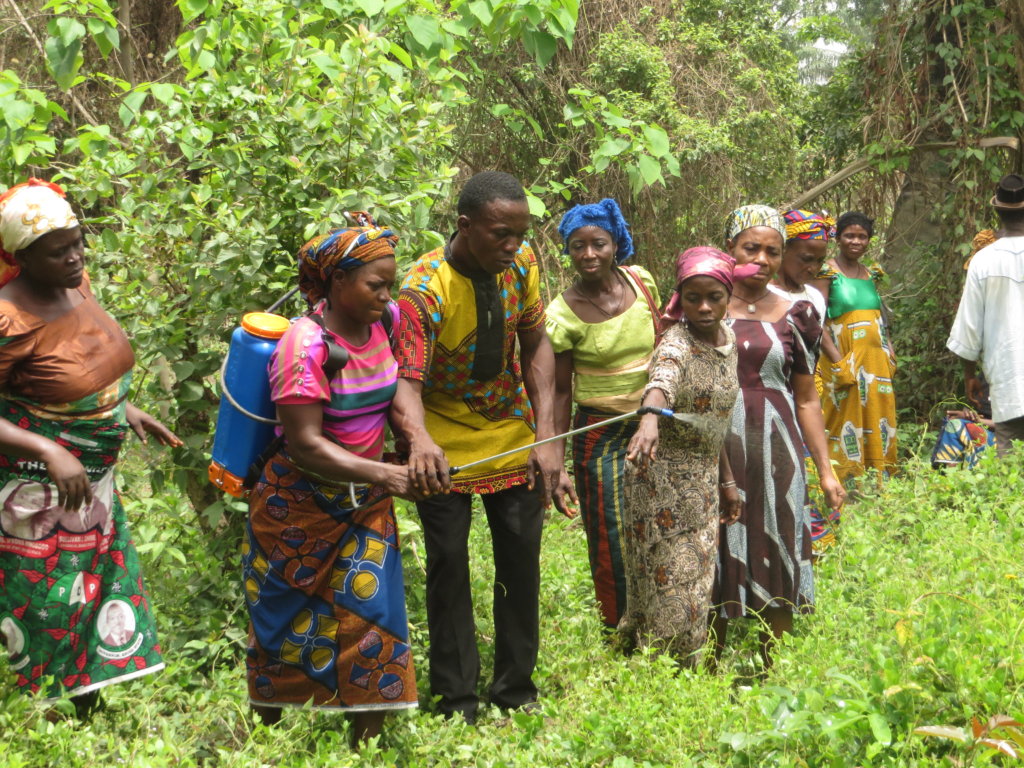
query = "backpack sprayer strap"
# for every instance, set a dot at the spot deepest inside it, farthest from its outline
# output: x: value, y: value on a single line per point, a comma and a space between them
x: 337, y: 355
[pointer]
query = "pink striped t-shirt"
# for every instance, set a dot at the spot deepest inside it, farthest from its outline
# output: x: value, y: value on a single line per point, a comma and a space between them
x: 357, y: 398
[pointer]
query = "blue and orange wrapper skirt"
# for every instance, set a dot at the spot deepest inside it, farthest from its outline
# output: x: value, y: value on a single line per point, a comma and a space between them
x: 324, y: 588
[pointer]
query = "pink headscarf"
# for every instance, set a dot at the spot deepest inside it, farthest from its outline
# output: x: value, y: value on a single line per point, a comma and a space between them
x: 704, y: 261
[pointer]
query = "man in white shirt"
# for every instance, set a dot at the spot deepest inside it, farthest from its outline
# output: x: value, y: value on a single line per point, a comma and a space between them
x: 988, y: 323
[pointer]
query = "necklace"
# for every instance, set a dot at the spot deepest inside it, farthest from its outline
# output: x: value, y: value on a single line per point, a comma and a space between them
x: 857, y: 268
x: 598, y: 307
x: 752, y: 305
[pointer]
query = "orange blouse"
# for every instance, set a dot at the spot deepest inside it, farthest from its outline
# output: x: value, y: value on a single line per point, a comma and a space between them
x: 78, y: 354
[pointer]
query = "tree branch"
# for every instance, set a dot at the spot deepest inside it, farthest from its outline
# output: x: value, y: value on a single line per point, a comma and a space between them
x: 42, y: 52
x: 1009, y: 142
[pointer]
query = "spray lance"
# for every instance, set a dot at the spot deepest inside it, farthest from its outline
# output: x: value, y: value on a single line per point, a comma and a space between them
x: 696, y: 420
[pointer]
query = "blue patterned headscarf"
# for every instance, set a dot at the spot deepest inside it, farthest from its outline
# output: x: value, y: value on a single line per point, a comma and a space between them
x: 607, y: 216
x: 754, y: 216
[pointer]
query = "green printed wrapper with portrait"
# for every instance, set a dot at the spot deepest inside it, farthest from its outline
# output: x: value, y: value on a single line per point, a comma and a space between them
x: 73, y: 611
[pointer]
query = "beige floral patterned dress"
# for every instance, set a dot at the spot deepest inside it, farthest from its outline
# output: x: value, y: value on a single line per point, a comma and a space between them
x: 672, y: 506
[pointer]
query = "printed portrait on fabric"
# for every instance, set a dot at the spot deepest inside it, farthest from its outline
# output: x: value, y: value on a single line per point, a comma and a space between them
x: 116, y: 622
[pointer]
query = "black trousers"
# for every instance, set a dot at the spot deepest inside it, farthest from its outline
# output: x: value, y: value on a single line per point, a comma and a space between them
x: 516, y: 521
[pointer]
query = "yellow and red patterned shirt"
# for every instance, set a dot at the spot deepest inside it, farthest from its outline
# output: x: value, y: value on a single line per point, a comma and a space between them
x: 437, y: 345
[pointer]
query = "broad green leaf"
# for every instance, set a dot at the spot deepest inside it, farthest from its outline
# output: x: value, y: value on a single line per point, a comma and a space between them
x: 616, y: 121
x: 163, y: 92
x: 565, y: 19
x: 536, y: 205
x: 64, y: 60
x: 112, y: 38
x: 370, y: 7
x: 183, y: 369
x: 327, y: 65
x: 101, y: 34
x: 17, y: 114
x: 657, y: 140
x: 537, y: 130
x: 192, y: 8
x: 401, y: 54
x: 205, y: 61
x: 880, y: 728
x: 540, y: 44
x: 334, y: 5
x: 131, y: 103
x: 127, y: 117
x: 460, y: 27
x: 21, y: 153
x: 612, y: 147
x: 425, y: 31
x: 191, y: 391
x: 839, y: 724
x: 481, y: 9
x: 134, y: 100
x: 69, y: 29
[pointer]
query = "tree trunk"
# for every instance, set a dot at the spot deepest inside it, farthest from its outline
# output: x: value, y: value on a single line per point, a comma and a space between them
x: 126, y: 56
x: 919, y: 248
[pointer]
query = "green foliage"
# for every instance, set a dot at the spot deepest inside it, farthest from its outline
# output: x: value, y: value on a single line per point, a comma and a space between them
x: 281, y: 116
x: 679, y: 114
x: 979, y: 99
x: 66, y: 34
x: 917, y: 103
x: 274, y: 116
x: 217, y: 187
x: 27, y: 114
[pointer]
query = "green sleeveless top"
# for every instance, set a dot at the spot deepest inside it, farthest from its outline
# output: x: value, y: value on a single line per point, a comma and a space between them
x: 847, y: 293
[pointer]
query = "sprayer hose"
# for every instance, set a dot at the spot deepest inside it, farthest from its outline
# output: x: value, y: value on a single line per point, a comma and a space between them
x: 231, y: 399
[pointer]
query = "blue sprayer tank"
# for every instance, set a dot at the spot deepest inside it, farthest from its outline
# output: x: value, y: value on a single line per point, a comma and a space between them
x: 239, y: 438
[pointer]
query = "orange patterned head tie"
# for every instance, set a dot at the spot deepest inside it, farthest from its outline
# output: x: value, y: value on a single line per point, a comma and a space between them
x: 807, y: 225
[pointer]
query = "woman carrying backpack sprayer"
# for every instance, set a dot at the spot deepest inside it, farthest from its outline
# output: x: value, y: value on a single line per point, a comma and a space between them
x: 323, y: 572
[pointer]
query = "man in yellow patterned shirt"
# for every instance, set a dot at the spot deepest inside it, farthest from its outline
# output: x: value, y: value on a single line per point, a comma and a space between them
x: 472, y: 344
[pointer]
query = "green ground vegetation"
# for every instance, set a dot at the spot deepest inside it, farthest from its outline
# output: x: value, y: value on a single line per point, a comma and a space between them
x: 918, y: 625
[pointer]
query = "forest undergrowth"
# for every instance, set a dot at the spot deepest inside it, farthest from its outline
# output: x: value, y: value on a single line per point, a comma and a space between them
x: 919, y: 624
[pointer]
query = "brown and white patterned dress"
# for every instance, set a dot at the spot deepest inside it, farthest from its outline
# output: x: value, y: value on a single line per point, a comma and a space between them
x: 672, y: 507
x: 765, y: 558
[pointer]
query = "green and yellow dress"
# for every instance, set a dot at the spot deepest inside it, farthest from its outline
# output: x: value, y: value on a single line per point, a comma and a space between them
x: 858, y: 398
